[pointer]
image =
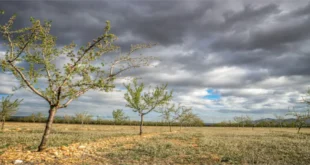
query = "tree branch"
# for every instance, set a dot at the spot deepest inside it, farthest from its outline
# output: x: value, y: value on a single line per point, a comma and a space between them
x: 47, y: 71
x: 28, y: 84
x: 80, y: 58
x: 77, y: 95
x: 23, y: 48
x: 58, y: 95
x: 121, y: 60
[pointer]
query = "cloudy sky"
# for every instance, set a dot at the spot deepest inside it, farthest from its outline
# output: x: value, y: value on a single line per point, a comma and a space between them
x: 223, y: 58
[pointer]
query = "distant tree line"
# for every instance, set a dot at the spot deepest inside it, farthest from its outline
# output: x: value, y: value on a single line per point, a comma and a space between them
x: 261, y: 123
x: 66, y: 119
x: 299, y: 119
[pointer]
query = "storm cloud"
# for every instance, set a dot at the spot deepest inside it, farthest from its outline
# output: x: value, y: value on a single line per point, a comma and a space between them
x: 254, y: 54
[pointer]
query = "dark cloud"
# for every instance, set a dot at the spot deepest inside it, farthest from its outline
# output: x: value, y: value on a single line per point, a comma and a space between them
x: 202, y: 45
x: 275, y: 31
x: 302, y: 11
x: 165, y: 23
x: 237, y: 21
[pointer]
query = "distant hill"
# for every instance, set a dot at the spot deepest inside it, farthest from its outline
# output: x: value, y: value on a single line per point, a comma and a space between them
x: 289, y: 120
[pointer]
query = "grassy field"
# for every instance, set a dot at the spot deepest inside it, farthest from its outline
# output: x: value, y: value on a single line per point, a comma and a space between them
x: 93, y: 144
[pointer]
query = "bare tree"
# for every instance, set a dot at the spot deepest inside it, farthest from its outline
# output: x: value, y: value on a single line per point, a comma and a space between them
x: 146, y: 102
x: 244, y: 120
x: 35, y: 47
x: 247, y: 120
x: 300, y: 117
x: 279, y: 119
x: 8, y: 108
x: 238, y: 120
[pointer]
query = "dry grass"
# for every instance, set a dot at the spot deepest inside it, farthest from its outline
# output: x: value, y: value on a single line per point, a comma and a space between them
x: 122, y: 145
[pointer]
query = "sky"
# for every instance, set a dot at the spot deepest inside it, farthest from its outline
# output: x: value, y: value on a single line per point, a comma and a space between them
x: 222, y: 58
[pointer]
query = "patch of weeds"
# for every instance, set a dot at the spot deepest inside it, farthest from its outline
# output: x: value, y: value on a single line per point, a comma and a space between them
x: 154, y: 150
x: 5, y: 145
x: 178, y: 136
x: 33, y: 147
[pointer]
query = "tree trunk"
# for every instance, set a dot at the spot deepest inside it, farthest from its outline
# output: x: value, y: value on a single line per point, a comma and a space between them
x: 48, y: 128
x: 141, y: 124
x: 3, y: 121
x: 170, y: 126
x: 298, y: 129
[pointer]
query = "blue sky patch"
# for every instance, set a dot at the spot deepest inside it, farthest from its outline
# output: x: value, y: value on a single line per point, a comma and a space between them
x: 212, y: 95
x: 3, y: 95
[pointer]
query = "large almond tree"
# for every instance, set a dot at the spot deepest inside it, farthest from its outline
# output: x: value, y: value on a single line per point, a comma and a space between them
x: 32, y: 55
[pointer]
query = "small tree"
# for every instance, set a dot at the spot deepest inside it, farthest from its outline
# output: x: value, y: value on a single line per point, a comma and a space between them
x: 279, y: 119
x: 67, y: 119
x: 8, y: 108
x: 268, y: 122
x: 99, y: 120
x: 88, y: 119
x: 83, y: 117
x: 247, y: 120
x: 244, y: 120
x: 238, y: 120
x: 40, y: 117
x: 183, y: 115
x: 36, y: 48
x: 33, y: 117
x: 194, y: 120
x: 168, y: 114
x: 300, y: 118
x: 144, y: 103
x: 58, y: 119
x: 119, y: 116
x: 254, y: 123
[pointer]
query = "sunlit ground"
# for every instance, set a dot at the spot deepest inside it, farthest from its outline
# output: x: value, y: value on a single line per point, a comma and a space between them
x: 100, y: 144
